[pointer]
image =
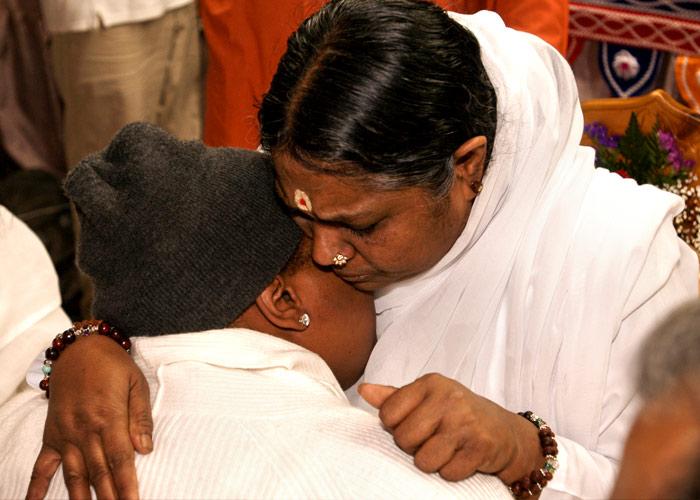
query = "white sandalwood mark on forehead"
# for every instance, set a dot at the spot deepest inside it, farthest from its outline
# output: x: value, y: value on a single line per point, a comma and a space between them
x: 302, y: 200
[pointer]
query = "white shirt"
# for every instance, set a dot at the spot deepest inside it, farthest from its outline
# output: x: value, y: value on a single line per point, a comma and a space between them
x: 242, y: 414
x: 62, y: 16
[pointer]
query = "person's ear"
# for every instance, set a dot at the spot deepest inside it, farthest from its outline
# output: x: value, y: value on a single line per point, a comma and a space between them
x: 282, y: 306
x: 469, y: 159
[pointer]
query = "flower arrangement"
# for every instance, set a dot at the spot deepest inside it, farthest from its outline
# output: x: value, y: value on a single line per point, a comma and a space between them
x: 652, y: 158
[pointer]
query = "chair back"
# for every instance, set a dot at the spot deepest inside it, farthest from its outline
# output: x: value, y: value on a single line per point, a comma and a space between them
x: 673, y: 116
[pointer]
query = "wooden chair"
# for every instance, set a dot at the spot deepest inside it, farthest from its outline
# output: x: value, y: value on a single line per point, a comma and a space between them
x: 672, y: 116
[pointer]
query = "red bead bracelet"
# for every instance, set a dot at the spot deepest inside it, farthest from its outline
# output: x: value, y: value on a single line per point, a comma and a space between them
x: 79, y: 329
x: 534, y: 483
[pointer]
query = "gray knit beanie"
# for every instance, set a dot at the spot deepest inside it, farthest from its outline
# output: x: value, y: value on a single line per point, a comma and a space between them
x: 177, y: 237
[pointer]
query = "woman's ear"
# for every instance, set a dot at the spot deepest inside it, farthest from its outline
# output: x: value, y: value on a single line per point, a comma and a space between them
x: 281, y: 305
x: 469, y: 159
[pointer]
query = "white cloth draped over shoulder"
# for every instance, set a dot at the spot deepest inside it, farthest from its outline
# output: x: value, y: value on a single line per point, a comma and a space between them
x: 30, y: 302
x: 561, y: 268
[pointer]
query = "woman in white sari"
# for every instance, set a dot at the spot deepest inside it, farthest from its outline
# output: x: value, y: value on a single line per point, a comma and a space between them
x: 30, y: 301
x: 567, y: 266
x: 501, y: 258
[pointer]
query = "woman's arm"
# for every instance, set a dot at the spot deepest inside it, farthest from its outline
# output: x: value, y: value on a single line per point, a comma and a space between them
x: 99, y: 412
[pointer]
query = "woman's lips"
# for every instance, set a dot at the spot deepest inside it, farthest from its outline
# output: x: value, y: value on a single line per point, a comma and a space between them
x: 353, y: 278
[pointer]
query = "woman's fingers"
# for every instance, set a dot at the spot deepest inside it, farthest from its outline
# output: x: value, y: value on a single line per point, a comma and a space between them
x: 140, y: 419
x: 44, y: 468
x: 462, y: 465
x: 75, y: 473
x: 441, y: 423
x: 98, y: 471
x: 376, y: 394
x: 435, y: 453
x: 455, y: 432
x: 419, y: 425
x: 445, y: 455
x: 401, y: 403
x: 119, y: 455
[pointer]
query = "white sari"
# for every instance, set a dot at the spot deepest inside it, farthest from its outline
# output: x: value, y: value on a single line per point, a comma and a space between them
x: 30, y: 302
x: 542, y: 301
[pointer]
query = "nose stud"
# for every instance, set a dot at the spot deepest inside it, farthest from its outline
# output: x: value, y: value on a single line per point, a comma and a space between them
x: 340, y: 260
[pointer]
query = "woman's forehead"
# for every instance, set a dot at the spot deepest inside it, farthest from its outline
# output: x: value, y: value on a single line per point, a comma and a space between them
x: 341, y: 202
x: 339, y: 198
x: 329, y: 205
x: 304, y: 189
x: 292, y: 175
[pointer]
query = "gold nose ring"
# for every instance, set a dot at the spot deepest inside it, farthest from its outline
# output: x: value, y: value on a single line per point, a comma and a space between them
x: 340, y: 260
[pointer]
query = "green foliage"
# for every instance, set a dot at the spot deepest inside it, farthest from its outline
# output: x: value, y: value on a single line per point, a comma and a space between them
x: 649, y: 158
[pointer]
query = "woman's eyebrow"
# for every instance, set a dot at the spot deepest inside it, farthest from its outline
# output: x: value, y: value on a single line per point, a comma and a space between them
x: 357, y: 222
x: 342, y: 220
x: 345, y: 219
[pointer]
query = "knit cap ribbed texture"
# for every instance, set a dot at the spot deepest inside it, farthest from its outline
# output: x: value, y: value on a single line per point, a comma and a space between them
x: 177, y: 236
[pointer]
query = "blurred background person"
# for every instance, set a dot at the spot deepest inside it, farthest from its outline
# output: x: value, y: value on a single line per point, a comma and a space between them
x: 119, y: 62
x: 662, y: 455
x: 31, y: 150
x: 29, y: 106
x: 116, y: 62
x: 548, y: 19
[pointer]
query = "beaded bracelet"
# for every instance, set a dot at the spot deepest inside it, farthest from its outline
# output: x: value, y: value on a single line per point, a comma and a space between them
x: 535, y: 482
x: 79, y: 329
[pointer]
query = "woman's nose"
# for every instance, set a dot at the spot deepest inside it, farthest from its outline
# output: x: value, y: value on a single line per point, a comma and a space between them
x: 327, y: 243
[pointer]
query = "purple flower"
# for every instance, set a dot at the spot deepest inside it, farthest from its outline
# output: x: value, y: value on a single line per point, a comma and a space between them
x: 599, y: 133
x: 611, y: 141
x: 675, y: 160
x: 666, y: 139
x: 668, y: 142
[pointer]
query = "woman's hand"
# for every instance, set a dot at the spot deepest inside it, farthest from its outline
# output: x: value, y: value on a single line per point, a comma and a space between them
x: 450, y: 430
x: 99, y: 412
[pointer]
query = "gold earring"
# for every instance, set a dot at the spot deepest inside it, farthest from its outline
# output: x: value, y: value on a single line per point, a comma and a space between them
x: 476, y: 187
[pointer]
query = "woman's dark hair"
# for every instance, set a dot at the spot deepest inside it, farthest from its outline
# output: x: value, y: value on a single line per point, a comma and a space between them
x: 383, y: 89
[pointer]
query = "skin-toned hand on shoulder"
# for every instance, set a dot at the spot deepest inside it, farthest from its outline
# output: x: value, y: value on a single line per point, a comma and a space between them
x: 94, y: 426
x: 450, y: 430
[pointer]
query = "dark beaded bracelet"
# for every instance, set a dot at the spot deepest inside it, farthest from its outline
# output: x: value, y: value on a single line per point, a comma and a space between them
x: 80, y: 329
x: 534, y: 483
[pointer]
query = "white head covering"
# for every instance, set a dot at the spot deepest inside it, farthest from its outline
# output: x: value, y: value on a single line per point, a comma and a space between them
x: 30, y: 301
x: 543, y: 212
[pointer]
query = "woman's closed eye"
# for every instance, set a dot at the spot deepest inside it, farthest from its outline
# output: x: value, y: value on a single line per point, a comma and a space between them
x: 363, y: 231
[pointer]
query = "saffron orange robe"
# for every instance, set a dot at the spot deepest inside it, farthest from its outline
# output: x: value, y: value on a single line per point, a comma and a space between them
x: 246, y: 39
